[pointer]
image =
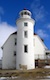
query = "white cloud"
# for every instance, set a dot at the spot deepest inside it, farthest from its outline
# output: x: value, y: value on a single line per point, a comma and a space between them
x: 42, y: 33
x: 38, y: 10
x: 5, y: 31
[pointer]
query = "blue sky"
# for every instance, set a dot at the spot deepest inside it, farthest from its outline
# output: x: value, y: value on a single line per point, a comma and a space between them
x: 9, y: 12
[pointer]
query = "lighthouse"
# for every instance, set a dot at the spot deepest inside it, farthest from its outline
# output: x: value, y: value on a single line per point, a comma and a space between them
x: 25, y: 49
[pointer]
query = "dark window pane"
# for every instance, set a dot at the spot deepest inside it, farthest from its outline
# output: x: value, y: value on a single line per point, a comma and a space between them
x: 25, y: 48
x: 25, y: 24
x: 15, y: 41
x: 25, y: 13
x: 25, y: 34
x: 14, y: 53
x: 22, y: 13
x: 28, y: 14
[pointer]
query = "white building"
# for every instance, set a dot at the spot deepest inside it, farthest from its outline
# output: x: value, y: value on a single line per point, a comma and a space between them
x: 39, y: 48
x: 22, y: 47
x: 25, y: 48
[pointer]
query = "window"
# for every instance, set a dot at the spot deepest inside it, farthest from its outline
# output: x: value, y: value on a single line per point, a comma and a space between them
x: 25, y: 34
x: 28, y: 14
x: 14, y: 53
x: 47, y: 53
x: 15, y: 41
x: 25, y: 24
x: 22, y: 13
x: 25, y: 13
x: 26, y: 48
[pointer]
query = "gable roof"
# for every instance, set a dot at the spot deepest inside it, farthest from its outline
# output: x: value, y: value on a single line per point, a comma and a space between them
x: 40, y: 38
x: 42, y: 41
x: 15, y: 33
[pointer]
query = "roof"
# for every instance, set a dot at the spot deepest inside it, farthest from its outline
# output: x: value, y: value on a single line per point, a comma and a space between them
x: 35, y: 34
x: 15, y: 33
x: 42, y: 41
x: 40, y: 38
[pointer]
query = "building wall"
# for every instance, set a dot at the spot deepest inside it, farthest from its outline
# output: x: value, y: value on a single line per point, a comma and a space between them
x: 25, y: 59
x: 9, y: 60
x: 39, y: 48
x: 0, y: 64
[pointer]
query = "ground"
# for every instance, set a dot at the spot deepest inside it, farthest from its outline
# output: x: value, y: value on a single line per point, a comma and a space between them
x: 34, y: 73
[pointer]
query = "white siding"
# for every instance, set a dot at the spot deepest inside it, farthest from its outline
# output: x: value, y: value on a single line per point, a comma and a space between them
x: 0, y: 64
x: 9, y: 61
x: 39, y: 48
x: 22, y: 57
x: 36, y: 48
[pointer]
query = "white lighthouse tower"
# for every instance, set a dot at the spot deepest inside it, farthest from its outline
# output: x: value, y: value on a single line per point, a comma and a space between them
x: 25, y: 49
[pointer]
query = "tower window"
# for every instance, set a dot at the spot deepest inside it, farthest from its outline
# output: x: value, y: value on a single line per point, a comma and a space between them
x: 25, y: 24
x: 26, y: 48
x: 15, y: 41
x: 22, y: 13
x: 25, y: 13
x: 28, y: 14
x: 14, y: 53
x: 25, y: 34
